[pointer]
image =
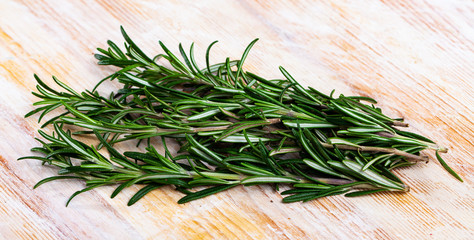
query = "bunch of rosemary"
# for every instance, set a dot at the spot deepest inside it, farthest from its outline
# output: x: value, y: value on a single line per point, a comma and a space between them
x: 233, y: 128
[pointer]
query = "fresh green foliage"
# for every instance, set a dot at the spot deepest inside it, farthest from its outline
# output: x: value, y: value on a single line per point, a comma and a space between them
x: 233, y: 128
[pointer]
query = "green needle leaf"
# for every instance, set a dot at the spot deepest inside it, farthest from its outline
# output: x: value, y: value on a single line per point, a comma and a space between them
x: 244, y: 56
x: 204, y: 193
x: 84, y: 190
x: 142, y: 192
x: 364, y: 192
x: 267, y: 179
x: 445, y: 166
x: 373, y: 176
x: 49, y: 179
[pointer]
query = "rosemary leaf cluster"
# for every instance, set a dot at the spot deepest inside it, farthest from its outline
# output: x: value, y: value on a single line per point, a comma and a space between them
x: 232, y: 126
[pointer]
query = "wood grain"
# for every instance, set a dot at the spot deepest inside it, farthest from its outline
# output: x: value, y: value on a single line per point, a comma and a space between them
x: 415, y: 57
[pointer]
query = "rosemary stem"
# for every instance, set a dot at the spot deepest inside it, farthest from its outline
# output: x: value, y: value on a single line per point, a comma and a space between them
x: 207, y: 129
x: 240, y: 177
x: 333, y: 181
x: 291, y: 113
x: 400, y: 124
x: 406, y: 188
x: 431, y: 145
x: 380, y: 149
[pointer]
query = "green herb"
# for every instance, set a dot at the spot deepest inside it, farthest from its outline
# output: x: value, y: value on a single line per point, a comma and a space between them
x: 233, y: 128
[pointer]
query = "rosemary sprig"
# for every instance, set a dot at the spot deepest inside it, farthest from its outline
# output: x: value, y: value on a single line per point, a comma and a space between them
x: 233, y: 128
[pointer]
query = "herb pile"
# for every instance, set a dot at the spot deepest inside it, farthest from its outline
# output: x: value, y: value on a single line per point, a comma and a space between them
x: 233, y: 127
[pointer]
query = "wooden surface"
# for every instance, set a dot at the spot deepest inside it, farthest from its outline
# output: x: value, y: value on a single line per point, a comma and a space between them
x: 415, y: 57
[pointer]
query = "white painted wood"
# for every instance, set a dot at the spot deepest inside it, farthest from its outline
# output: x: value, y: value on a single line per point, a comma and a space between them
x: 415, y: 57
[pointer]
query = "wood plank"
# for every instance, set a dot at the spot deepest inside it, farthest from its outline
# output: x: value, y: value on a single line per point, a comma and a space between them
x: 415, y: 57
